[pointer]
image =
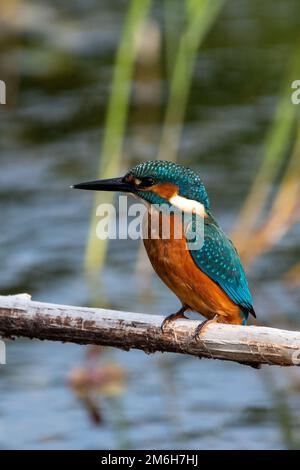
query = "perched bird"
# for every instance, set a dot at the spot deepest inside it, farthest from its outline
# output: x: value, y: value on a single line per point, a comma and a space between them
x: 209, y: 280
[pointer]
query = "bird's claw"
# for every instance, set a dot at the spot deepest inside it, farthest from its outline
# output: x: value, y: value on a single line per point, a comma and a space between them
x: 171, y: 318
x: 167, y: 321
x: 200, y: 328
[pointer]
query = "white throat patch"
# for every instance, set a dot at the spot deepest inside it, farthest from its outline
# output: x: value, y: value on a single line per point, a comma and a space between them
x: 188, y: 205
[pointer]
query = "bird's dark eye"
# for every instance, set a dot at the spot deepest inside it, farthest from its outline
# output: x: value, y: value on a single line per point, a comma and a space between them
x: 146, y: 182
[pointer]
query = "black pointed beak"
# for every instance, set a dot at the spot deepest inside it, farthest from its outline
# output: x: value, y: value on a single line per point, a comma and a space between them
x: 114, y: 184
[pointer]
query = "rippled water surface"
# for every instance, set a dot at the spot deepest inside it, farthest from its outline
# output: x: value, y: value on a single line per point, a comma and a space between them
x: 62, y: 58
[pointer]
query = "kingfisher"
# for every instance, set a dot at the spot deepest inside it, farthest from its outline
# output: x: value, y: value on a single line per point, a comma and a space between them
x: 209, y: 279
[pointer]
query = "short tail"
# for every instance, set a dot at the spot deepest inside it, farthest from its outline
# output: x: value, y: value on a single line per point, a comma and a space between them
x: 245, y: 314
x: 252, y: 311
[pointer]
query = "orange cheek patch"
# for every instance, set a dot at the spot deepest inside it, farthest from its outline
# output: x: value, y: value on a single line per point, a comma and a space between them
x: 165, y: 190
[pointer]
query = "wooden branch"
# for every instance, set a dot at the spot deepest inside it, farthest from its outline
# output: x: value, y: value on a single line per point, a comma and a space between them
x: 251, y: 345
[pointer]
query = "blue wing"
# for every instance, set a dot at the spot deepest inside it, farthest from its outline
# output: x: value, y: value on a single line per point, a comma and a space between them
x: 219, y: 259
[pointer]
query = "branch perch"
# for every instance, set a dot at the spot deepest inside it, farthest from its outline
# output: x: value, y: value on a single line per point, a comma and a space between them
x: 20, y: 316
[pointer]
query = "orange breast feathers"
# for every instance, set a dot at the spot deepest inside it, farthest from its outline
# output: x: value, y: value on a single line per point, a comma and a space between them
x: 173, y: 263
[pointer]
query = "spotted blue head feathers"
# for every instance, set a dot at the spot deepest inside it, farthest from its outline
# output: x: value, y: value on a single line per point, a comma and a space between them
x: 190, y: 185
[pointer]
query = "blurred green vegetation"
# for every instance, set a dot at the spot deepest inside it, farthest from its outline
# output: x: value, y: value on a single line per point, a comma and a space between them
x: 279, y: 166
x: 111, y: 154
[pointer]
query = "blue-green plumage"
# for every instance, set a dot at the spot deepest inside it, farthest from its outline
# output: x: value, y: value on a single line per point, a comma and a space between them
x: 219, y: 259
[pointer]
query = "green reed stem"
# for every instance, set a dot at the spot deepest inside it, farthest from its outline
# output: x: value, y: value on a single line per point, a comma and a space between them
x: 116, y: 119
x: 201, y: 14
x: 275, y: 151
